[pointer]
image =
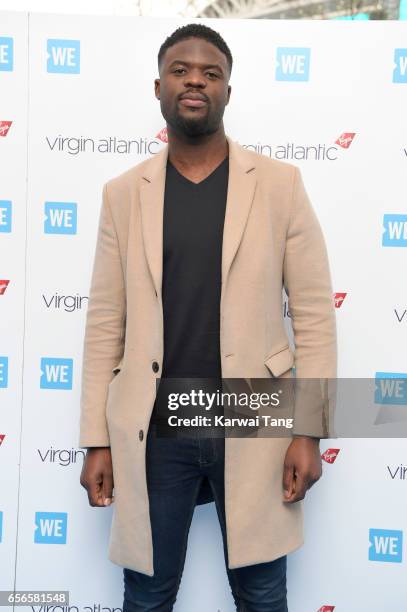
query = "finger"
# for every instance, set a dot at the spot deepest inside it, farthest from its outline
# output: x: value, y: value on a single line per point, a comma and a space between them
x: 107, y: 488
x: 301, y: 485
x: 95, y: 493
x: 288, y: 480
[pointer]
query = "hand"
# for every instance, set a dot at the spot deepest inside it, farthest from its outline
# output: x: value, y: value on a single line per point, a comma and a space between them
x: 302, y: 467
x: 97, y: 476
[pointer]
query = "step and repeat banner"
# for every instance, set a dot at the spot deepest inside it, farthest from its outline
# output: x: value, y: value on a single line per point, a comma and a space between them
x: 77, y: 107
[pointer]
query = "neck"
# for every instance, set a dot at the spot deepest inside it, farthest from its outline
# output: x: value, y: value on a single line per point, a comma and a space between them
x: 195, y: 152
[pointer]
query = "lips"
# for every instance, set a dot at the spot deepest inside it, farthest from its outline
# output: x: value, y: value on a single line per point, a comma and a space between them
x: 193, y: 100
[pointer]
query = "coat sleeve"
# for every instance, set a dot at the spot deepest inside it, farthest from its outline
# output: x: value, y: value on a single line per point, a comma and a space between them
x: 308, y: 285
x: 104, y: 331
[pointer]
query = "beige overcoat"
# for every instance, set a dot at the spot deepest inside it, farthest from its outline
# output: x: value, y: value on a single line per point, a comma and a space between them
x: 272, y: 239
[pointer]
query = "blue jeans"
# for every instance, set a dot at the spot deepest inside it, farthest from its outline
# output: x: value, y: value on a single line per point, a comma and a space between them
x: 175, y: 470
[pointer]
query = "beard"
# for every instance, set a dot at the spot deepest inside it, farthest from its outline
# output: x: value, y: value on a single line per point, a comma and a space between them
x: 191, y: 126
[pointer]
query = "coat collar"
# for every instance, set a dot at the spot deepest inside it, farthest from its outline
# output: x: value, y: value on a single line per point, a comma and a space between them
x: 241, y: 188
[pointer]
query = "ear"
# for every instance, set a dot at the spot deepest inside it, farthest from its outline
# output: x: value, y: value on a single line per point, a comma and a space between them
x: 228, y: 95
x: 157, y: 88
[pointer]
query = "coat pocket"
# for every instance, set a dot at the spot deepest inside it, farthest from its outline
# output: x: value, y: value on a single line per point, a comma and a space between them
x: 280, y: 362
x: 119, y: 366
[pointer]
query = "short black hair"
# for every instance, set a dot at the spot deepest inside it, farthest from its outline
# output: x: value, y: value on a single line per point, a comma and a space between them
x: 196, y: 30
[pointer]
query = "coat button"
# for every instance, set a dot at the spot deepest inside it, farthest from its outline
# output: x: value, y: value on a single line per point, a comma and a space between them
x: 140, y: 435
x: 155, y: 366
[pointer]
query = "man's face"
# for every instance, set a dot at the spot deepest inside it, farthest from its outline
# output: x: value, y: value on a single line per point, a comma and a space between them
x: 193, y: 87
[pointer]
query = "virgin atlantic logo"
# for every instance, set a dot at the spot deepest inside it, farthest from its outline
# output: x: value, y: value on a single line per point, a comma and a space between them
x: 339, y: 298
x: 4, y: 128
x: 2, y: 436
x: 330, y: 455
x: 326, y: 609
x: 163, y: 135
x: 3, y: 286
x: 345, y: 139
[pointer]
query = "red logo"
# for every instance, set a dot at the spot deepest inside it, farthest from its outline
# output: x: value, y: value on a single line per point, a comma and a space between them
x: 330, y: 455
x: 162, y: 135
x: 3, y: 286
x: 345, y: 139
x: 338, y: 299
x: 4, y: 127
x: 2, y: 436
x: 326, y: 609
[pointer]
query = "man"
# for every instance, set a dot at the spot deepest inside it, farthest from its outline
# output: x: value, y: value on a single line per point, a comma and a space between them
x: 193, y: 250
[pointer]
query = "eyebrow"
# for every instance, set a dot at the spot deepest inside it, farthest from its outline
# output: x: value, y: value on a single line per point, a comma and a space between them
x: 205, y: 66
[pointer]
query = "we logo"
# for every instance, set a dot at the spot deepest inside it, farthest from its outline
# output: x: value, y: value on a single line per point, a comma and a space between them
x: 63, y: 56
x: 5, y: 215
x: 3, y: 372
x: 385, y: 545
x: 56, y: 373
x: 400, y: 66
x: 6, y: 53
x: 293, y: 63
x: 50, y: 527
x: 394, y: 230
x: 60, y: 218
x: 391, y: 388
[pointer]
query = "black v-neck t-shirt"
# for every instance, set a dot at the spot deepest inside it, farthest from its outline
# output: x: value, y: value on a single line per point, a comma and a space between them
x: 193, y: 223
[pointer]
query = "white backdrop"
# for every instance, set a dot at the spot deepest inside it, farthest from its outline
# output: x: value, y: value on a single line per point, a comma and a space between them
x: 328, y: 96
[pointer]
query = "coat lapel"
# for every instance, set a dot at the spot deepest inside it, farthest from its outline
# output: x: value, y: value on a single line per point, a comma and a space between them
x: 152, y: 209
x: 241, y: 188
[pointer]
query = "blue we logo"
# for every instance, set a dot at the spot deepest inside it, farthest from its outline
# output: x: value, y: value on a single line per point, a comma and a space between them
x: 6, y: 53
x: 63, y: 56
x: 394, y: 230
x: 50, y: 527
x: 400, y: 66
x: 3, y: 372
x: 293, y: 63
x: 56, y: 373
x: 5, y: 215
x: 60, y: 218
x: 385, y: 545
x: 391, y: 388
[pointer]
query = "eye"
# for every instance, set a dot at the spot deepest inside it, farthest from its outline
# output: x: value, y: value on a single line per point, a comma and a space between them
x: 212, y: 75
x: 179, y: 70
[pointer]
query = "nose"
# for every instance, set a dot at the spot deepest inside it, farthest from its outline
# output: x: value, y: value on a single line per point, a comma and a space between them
x: 194, y: 78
